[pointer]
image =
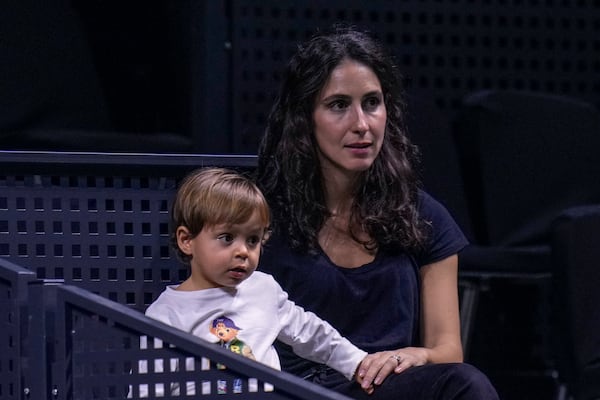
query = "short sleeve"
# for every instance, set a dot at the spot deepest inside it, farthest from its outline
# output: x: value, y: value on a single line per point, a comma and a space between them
x: 444, y: 236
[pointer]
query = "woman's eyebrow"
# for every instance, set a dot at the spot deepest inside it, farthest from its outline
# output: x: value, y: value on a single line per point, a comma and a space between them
x: 335, y: 96
x: 378, y: 93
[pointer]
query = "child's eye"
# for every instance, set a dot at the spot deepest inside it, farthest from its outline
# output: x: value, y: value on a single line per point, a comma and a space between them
x: 225, y: 237
x: 253, y: 240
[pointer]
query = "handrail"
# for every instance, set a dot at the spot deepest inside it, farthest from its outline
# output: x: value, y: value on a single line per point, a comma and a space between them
x: 118, y: 314
x: 106, y: 158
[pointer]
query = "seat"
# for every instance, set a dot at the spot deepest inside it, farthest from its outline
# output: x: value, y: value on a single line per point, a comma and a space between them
x: 576, y: 264
x: 429, y: 129
x: 525, y: 157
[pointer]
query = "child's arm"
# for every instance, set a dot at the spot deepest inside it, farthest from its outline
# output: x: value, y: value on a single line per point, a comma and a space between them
x: 315, y: 339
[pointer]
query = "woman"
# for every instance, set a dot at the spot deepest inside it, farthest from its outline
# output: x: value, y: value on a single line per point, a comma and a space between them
x: 355, y: 239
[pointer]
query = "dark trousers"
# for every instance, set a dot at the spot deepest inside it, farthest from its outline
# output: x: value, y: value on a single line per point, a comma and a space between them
x: 428, y: 382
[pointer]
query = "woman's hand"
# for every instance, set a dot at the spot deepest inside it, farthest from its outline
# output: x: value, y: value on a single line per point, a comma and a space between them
x: 377, y: 366
x: 440, y: 326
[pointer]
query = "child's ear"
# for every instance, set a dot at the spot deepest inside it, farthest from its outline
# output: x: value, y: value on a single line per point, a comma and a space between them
x: 184, y: 240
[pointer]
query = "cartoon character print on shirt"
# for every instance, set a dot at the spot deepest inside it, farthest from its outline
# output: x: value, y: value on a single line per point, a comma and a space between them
x: 226, y: 331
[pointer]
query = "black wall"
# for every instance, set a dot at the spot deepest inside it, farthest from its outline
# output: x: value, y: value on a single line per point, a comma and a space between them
x: 207, y: 70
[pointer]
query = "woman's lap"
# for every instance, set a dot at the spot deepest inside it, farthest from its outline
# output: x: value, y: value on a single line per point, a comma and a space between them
x: 431, y: 382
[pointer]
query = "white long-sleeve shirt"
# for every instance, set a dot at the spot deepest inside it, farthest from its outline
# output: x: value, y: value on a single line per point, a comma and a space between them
x: 262, y: 312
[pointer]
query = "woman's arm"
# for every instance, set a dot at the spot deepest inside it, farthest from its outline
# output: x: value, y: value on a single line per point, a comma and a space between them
x: 440, y: 321
x: 440, y: 327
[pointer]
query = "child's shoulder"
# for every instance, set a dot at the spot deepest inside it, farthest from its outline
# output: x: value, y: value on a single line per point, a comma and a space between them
x: 171, y: 299
x: 260, y: 280
x: 163, y: 298
x: 262, y: 277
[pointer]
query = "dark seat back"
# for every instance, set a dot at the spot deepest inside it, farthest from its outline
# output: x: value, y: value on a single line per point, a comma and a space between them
x: 576, y: 255
x: 525, y: 157
x: 430, y: 130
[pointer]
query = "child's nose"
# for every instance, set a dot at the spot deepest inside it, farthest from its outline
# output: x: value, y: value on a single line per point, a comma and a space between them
x: 242, y: 250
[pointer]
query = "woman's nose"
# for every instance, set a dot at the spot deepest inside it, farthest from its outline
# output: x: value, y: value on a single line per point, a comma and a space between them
x: 360, y: 124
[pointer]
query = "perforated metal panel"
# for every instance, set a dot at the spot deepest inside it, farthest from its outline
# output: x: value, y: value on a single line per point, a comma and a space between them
x: 107, y: 234
x: 448, y: 48
x: 100, y: 222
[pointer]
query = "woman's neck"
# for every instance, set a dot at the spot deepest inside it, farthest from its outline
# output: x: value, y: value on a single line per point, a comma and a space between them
x: 343, y: 244
x: 341, y: 237
x: 339, y: 193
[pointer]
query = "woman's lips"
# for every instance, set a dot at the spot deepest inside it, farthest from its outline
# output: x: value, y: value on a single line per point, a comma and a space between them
x: 359, y: 149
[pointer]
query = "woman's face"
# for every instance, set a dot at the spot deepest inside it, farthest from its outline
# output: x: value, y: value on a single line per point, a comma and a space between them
x: 349, y: 119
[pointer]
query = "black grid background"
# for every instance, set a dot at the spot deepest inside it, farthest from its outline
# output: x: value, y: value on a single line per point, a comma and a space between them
x: 106, y: 234
x: 208, y: 70
x: 447, y: 48
x: 100, y: 222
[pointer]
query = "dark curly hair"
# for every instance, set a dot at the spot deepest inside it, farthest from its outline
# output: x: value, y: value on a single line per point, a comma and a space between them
x: 289, y: 174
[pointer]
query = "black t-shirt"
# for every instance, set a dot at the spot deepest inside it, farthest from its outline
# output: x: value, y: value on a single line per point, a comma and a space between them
x: 376, y: 306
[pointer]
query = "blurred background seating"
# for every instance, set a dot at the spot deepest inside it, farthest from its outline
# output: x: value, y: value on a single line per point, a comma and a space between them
x: 525, y: 158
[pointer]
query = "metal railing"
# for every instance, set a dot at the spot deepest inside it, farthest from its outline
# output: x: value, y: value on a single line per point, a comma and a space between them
x: 68, y: 343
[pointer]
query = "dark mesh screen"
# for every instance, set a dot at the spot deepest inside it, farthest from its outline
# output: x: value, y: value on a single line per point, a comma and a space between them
x: 448, y: 48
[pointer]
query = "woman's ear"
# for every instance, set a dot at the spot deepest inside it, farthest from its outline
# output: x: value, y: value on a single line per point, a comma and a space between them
x: 184, y: 240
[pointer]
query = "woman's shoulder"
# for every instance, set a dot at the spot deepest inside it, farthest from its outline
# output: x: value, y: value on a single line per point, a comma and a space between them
x: 445, y: 237
x: 432, y: 209
x: 426, y: 200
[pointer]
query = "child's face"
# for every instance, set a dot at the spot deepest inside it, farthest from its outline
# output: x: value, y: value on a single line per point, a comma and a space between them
x: 223, y: 255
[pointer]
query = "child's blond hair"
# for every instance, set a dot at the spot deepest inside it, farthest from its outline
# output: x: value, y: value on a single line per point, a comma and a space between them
x: 211, y: 196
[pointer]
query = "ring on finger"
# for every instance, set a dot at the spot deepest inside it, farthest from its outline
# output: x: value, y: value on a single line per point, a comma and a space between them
x: 397, y: 358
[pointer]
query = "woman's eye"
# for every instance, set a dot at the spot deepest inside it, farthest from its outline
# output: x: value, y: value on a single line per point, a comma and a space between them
x: 371, y: 103
x: 338, y: 105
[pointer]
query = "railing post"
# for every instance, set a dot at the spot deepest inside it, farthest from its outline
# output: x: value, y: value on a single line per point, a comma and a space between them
x: 14, y: 285
x: 40, y: 342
